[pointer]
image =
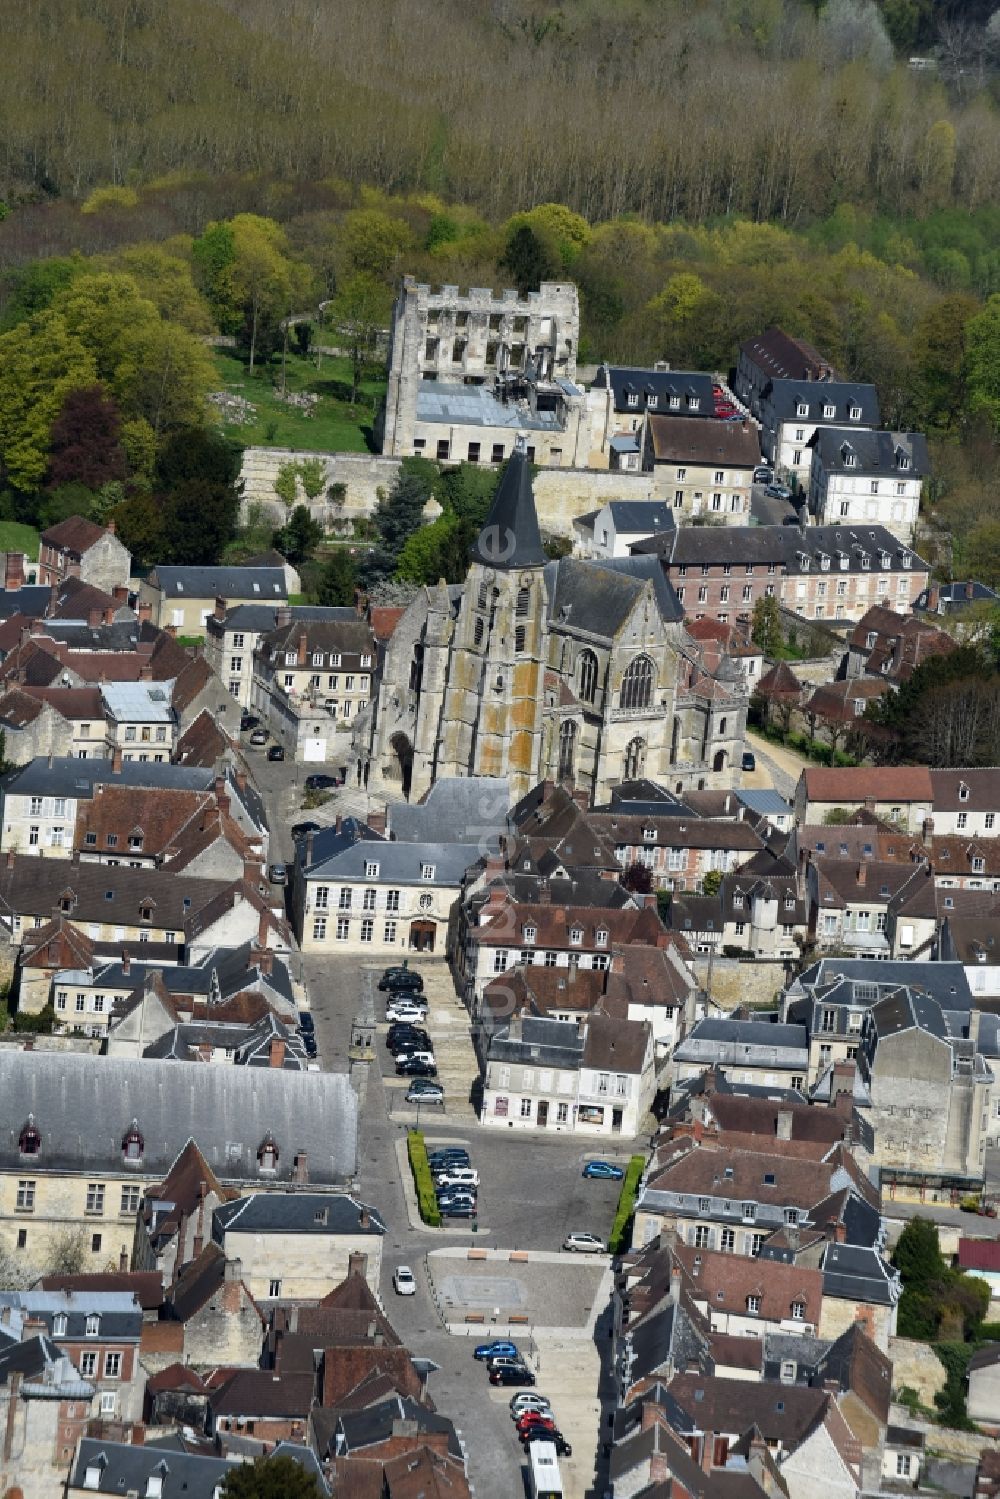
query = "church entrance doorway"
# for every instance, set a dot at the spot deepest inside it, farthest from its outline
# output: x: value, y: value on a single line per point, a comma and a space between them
x: 422, y: 934
x: 401, y: 768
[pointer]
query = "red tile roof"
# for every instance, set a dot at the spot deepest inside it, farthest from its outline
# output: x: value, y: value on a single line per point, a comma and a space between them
x: 75, y: 534
x: 979, y: 1254
x: 851, y: 786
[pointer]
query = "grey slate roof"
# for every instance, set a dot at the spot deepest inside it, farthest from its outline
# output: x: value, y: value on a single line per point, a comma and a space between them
x: 224, y: 971
x: 908, y: 1009
x: 83, y: 1106
x: 641, y: 515
x: 750, y: 1042
x: 784, y: 546
x: 545, y: 1043
x: 945, y: 982
x: 472, y: 808
x: 510, y: 537
x: 126, y: 1468
x: 295, y: 1213
x: 855, y: 1272
x: 121, y: 1315
x: 686, y: 385
x: 766, y: 803
x: 598, y: 594
x: 448, y: 403
x: 398, y: 863
x: 77, y: 778
x: 31, y: 601
x: 254, y: 583
x: 785, y: 395
x: 36, y: 887
x: 875, y: 452
x: 364, y: 1428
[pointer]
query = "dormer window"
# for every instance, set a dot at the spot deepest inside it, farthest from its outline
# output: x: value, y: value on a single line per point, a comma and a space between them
x: 649, y: 835
x: 133, y: 1144
x: 675, y: 402
x: 694, y: 402
x: 801, y: 408
x: 978, y: 865
x: 849, y: 456
x: 530, y: 933
x: 824, y: 562
x: 789, y: 902
x: 290, y: 658
x: 146, y: 911
x: 854, y: 412
x: 651, y: 398
x: 136, y: 838
x: 632, y: 398
x: 902, y: 459
x: 60, y: 1325
x: 963, y: 792
x: 427, y: 871
x: 267, y: 1154
x: 600, y: 937
x: 93, y: 1326
x: 866, y: 562
x: 829, y: 412
x: 371, y: 871
x: 29, y: 1141
x: 576, y: 936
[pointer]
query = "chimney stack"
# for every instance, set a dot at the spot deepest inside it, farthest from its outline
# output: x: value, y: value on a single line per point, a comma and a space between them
x: 116, y: 759
x: 303, y: 648
x: 276, y: 1055
x: 783, y: 1128
x: 357, y: 1263
x: 282, y: 616
x: 123, y: 1260
x: 300, y: 1168
x: 126, y: 961
x: 364, y: 1219
x: 220, y: 607
x: 862, y: 876
x: 145, y: 613
x: 970, y: 590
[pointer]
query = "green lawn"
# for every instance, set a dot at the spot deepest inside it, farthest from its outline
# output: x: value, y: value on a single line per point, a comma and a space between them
x: 335, y: 426
x: 16, y: 537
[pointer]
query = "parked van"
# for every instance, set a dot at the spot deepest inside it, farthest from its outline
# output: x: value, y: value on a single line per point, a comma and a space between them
x: 546, y: 1482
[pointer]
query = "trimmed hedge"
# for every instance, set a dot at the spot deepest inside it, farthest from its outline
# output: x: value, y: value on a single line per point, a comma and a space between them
x: 621, y: 1228
x: 416, y: 1150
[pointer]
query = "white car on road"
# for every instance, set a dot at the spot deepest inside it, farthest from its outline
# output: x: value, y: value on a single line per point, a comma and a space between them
x: 403, y: 1282
x: 585, y: 1244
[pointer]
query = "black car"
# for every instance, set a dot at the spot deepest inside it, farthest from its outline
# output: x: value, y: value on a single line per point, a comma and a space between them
x: 321, y: 782
x: 309, y: 1046
x: 541, y: 1434
x: 306, y: 1022
x: 510, y: 1375
x: 402, y: 1028
x: 303, y: 829
x: 748, y: 761
x: 400, y: 981
x: 457, y: 1210
x: 275, y: 752
x: 453, y: 1156
x: 413, y: 1067
x: 248, y: 721
x: 408, y: 1046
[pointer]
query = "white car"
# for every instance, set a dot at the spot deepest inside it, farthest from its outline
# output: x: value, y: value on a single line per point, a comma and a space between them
x: 585, y: 1244
x: 529, y: 1401
x: 405, y: 1012
x: 403, y: 1282
x: 457, y: 1176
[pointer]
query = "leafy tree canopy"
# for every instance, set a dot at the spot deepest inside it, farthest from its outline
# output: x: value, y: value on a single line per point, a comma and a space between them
x: 270, y: 1478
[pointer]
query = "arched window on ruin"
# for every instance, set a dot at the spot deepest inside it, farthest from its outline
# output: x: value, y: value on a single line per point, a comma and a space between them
x: 635, y: 759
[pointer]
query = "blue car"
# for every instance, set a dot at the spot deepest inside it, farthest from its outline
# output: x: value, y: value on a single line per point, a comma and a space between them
x: 497, y: 1349
x: 603, y: 1170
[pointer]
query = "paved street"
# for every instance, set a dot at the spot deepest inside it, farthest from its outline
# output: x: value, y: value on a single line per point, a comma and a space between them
x: 532, y: 1195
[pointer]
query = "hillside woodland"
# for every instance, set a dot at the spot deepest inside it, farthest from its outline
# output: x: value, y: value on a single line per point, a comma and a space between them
x: 170, y: 172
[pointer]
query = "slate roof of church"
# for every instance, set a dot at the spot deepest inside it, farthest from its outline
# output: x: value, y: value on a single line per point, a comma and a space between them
x: 511, y: 538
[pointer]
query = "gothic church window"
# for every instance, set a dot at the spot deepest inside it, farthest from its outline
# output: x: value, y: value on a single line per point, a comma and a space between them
x: 588, y: 676
x: 635, y: 759
x: 523, y: 603
x: 567, y: 748
x: 637, y: 685
x: 520, y: 638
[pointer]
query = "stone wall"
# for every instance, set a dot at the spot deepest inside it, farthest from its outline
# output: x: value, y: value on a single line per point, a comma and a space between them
x: 735, y: 983
x: 363, y: 474
x: 917, y: 1367
x: 562, y: 494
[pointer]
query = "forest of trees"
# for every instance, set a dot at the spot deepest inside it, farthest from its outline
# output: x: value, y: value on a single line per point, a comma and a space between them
x: 771, y: 108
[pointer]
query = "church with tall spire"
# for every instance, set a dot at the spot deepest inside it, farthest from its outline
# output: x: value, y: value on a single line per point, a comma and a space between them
x: 534, y: 669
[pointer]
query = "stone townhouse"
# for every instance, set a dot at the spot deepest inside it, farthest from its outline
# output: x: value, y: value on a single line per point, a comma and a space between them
x: 91, y: 1134
x: 743, y: 1297
x: 469, y: 369
x: 63, y: 721
x: 261, y: 1404
x: 744, y: 1051
x: 98, y: 1331
x: 595, y: 1077
x: 297, y: 1246
x: 826, y: 572
x: 929, y: 1091
x: 45, y: 1405
x: 185, y: 597
x: 759, y: 911
x: 792, y: 411
x: 510, y: 932
x: 211, y: 1307
x: 678, y: 852
x: 702, y: 468
x: 174, y: 1219
x: 965, y: 801
x: 891, y: 646
x: 539, y: 670
x: 900, y: 794
x: 733, y: 1200
x: 861, y: 478
x: 618, y: 525
x: 311, y: 678
x: 78, y: 548
x: 141, y: 720
x: 776, y: 355
x: 377, y: 897
x: 850, y: 904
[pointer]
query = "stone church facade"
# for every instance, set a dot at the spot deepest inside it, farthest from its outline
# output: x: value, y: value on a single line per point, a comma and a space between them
x: 536, y: 669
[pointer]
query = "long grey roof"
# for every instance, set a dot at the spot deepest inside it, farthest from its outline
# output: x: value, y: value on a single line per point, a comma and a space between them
x: 295, y: 1213
x: 546, y: 1043
x: 784, y: 396
x: 223, y: 970
x: 120, y: 1313
x: 398, y: 863
x: 686, y: 385
x: 731, y: 1042
x: 510, y: 537
x: 784, y: 546
x: 84, y: 1105
x: 945, y: 982
x: 875, y: 452
x: 859, y: 1273
x: 472, y: 808
x: 126, y: 1468
x: 67, y: 777
x: 641, y: 515
x: 364, y: 1428
x: 598, y: 595
x: 221, y: 582
x: 31, y: 601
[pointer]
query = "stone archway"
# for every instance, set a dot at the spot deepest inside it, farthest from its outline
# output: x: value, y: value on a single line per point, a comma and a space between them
x: 719, y: 763
x: 401, y: 766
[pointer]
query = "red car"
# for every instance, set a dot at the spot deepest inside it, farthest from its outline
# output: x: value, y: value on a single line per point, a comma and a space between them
x: 534, y: 1421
